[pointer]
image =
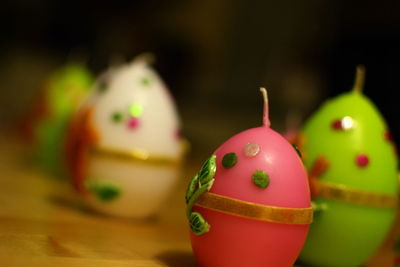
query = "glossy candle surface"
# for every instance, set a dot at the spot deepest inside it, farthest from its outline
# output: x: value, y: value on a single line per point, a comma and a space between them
x: 351, y: 135
x: 237, y: 241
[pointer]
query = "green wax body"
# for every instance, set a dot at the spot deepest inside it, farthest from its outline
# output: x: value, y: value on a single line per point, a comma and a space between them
x: 346, y: 234
x: 64, y: 92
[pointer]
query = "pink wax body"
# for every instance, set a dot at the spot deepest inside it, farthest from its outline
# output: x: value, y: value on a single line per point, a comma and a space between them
x: 237, y: 241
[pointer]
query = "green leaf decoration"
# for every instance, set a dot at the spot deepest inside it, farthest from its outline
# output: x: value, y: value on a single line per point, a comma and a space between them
x: 197, y: 224
x: 297, y: 150
x: 199, y: 184
x: 103, y: 190
x: 207, y: 172
x: 193, y: 185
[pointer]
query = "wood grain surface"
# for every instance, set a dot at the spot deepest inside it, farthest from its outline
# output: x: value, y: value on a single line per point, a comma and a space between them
x: 43, y: 223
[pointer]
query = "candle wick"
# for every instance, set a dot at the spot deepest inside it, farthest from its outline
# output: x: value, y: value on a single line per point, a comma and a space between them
x: 359, y: 79
x: 266, y: 121
x: 146, y: 57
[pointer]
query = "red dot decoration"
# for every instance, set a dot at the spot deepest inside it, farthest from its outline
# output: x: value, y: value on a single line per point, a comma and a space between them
x: 178, y: 134
x: 344, y: 124
x: 133, y: 123
x: 362, y: 160
x: 388, y: 136
x: 337, y: 125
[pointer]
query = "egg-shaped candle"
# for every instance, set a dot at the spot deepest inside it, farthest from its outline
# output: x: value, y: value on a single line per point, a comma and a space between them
x: 60, y: 98
x: 352, y: 166
x: 125, y: 146
x: 249, y: 205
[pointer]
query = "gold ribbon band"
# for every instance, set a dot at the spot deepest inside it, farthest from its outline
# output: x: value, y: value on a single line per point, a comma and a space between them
x: 138, y: 154
x: 355, y: 196
x: 255, y: 211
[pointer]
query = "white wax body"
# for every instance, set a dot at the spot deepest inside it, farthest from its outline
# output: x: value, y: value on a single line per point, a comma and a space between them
x: 144, y: 189
x: 144, y: 186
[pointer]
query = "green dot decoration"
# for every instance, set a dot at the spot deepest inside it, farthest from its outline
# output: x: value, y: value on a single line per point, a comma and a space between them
x: 145, y: 81
x: 117, y: 116
x: 103, y: 85
x: 261, y: 179
x: 229, y: 160
x: 136, y: 110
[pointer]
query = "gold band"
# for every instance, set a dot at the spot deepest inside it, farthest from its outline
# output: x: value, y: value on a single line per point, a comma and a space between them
x: 255, y: 211
x: 138, y: 154
x: 356, y: 196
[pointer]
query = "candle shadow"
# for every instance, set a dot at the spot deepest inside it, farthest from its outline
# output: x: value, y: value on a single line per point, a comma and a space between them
x: 77, y: 206
x: 177, y: 258
x: 65, y: 202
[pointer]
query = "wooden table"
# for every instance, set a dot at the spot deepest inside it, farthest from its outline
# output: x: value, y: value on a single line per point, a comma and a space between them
x: 42, y: 223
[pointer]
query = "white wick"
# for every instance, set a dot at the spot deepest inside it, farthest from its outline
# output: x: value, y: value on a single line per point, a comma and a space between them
x: 266, y: 121
x: 359, y: 79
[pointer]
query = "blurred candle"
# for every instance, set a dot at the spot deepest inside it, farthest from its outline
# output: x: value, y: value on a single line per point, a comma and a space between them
x: 124, y: 151
x: 46, y: 125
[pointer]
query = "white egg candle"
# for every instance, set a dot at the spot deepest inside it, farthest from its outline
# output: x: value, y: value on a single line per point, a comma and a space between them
x: 125, y: 146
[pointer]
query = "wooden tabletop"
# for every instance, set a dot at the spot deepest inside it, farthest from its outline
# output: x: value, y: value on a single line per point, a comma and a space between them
x: 42, y: 223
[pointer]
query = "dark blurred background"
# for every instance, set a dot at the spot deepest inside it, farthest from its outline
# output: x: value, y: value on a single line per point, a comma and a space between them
x: 213, y: 54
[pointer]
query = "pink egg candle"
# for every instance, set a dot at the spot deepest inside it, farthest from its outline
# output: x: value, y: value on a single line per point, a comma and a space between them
x: 250, y: 203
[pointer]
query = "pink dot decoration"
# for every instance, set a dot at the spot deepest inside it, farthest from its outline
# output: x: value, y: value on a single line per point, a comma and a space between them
x: 251, y: 149
x: 133, y: 123
x: 337, y: 125
x: 362, y: 160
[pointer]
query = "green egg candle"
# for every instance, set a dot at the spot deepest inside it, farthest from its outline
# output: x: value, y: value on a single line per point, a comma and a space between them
x: 62, y: 94
x: 352, y: 165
